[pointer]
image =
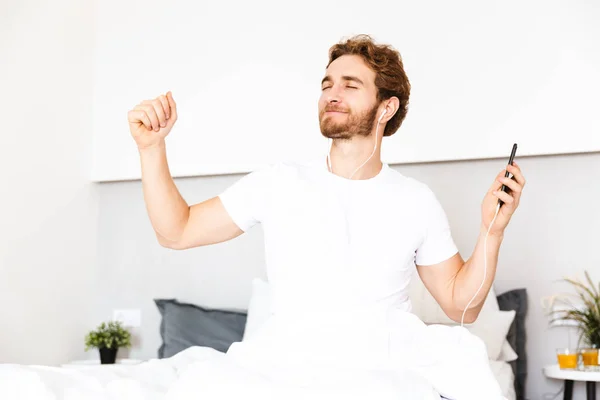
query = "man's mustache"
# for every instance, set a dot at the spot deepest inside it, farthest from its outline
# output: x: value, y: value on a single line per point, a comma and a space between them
x: 335, y: 109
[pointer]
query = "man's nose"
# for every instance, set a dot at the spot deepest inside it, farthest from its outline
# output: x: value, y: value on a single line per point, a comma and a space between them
x: 334, y: 95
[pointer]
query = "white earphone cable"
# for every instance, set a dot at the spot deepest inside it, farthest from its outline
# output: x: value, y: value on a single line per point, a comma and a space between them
x: 328, y: 153
x: 462, y: 320
x: 367, y: 160
x: 373, y: 152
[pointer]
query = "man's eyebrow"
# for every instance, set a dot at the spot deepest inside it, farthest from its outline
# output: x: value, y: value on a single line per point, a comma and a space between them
x: 352, y: 79
x: 345, y: 78
x: 326, y: 79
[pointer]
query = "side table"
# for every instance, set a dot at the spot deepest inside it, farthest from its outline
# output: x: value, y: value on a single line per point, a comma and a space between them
x: 569, y: 376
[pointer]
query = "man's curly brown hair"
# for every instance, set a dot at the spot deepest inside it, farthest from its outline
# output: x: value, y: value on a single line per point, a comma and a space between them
x: 390, y: 78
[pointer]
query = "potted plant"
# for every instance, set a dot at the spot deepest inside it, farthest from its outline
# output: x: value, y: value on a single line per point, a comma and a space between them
x: 108, y: 338
x: 587, y: 313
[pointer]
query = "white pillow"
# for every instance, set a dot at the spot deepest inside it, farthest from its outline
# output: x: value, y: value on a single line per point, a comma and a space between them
x: 507, y: 353
x: 259, y: 308
x: 429, y: 311
x: 492, y: 329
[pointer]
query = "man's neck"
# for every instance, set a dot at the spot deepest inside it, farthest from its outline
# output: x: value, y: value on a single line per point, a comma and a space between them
x: 347, y: 155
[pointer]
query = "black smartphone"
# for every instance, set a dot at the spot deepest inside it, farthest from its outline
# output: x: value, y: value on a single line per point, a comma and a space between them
x: 505, y: 188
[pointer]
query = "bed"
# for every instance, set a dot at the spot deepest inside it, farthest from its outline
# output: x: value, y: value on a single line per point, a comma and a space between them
x: 501, y: 326
x: 195, y: 339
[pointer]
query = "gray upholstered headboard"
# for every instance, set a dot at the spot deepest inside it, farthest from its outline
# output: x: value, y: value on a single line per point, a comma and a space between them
x: 517, y: 300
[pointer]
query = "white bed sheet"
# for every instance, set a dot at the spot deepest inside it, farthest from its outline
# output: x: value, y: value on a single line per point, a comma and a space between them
x: 198, y: 372
x: 150, y: 380
x: 172, y: 378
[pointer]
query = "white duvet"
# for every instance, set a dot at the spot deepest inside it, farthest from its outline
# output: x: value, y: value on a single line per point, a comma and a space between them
x: 284, y: 361
x: 198, y: 373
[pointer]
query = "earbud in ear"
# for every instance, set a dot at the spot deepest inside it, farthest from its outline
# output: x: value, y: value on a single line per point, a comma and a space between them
x: 381, y: 116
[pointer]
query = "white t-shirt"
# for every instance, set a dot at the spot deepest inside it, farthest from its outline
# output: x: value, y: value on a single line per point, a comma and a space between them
x: 332, y: 243
x: 340, y: 255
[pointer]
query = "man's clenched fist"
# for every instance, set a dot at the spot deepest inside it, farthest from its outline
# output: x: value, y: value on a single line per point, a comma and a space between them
x: 151, y: 120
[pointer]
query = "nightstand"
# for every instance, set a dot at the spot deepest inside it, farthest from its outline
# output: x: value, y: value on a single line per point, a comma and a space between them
x: 569, y: 376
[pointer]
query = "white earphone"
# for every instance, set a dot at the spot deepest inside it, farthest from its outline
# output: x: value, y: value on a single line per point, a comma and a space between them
x: 374, y: 147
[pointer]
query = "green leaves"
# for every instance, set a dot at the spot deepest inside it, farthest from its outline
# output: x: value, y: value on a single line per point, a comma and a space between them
x: 110, y: 335
x: 588, y: 315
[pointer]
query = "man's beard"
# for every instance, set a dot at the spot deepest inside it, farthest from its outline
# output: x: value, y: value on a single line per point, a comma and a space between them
x: 355, y: 125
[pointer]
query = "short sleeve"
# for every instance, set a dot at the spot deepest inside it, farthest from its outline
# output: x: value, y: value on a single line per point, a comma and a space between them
x: 246, y: 201
x: 438, y: 244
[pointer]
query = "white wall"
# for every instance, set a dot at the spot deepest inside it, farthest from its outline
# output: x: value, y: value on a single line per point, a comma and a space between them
x: 47, y: 205
x: 483, y: 73
x: 554, y: 233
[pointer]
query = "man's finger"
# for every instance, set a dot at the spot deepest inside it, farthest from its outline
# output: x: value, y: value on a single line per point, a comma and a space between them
x: 172, y: 104
x: 165, y: 105
x: 149, y: 110
x: 139, y: 116
x: 516, y: 171
x: 511, y: 184
x: 505, y: 197
x: 496, y: 185
x: 160, y: 112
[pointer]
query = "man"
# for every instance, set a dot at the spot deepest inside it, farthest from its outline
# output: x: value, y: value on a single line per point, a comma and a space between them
x: 343, y: 232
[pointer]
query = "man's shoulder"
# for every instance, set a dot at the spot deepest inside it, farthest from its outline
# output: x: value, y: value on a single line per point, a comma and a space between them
x: 287, y: 166
x: 283, y: 171
x: 423, y: 201
x: 407, y: 184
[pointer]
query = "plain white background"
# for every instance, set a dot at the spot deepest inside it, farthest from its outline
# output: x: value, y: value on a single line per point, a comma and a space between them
x: 72, y: 251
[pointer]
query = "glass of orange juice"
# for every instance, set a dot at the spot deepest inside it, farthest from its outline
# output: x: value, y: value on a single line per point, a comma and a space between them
x: 567, y: 358
x: 589, y: 357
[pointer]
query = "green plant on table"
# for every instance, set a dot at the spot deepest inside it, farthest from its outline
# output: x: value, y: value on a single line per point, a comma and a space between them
x: 111, y: 335
x: 586, y: 314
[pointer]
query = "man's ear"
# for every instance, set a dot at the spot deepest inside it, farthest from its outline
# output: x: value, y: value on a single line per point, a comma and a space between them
x: 391, y: 106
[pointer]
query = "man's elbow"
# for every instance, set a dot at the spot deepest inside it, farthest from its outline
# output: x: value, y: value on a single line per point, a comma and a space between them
x: 470, y: 316
x: 170, y: 244
x: 468, y: 320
